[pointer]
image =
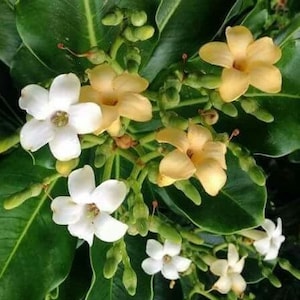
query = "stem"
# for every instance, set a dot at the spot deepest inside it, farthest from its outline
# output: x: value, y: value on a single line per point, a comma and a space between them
x: 115, y: 47
x: 147, y: 138
x: 127, y: 155
x: 117, y: 166
x: 108, y: 168
x: 142, y: 176
x: 149, y: 156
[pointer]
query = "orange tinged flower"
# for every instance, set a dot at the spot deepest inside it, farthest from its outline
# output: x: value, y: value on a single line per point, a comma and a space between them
x: 118, y: 96
x: 196, y: 154
x: 245, y: 62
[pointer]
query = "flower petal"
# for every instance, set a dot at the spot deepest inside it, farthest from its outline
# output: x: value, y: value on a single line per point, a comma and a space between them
x: 239, y: 266
x: 163, y: 180
x: 85, y: 117
x: 101, y: 78
x: 109, y: 195
x: 211, y: 175
x: 81, y: 184
x: 272, y: 253
x: 114, y: 128
x: 217, y: 53
x: 233, y: 255
x: 135, y: 107
x: 177, y: 166
x: 238, y: 39
x: 238, y: 283
x: 130, y: 83
x: 175, y: 137
x: 65, y: 211
x: 219, y: 267
x: 171, y: 249
x: 35, y: 134
x: 265, y: 77
x: 109, y: 229
x: 155, y: 249
x: 181, y: 263
x: 88, y: 94
x: 64, y: 91
x: 263, y: 50
x: 65, y: 145
x: 169, y: 271
x: 34, y: 99
x: 262, y: 246
x: 278, y: 231
x: 151, y: 266
x: 233, y: 84
x: 223, y: 284
x: 198, y: 136
x: 269, y: 226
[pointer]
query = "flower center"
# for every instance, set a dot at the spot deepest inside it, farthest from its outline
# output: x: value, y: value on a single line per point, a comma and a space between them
x: 60, y: 118
x: 240, y: 64
x: 93, y: 210
x: 167, y: 259
x: 189, y: 153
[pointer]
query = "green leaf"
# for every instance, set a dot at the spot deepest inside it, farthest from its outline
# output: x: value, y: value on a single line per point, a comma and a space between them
x: 291, y: 32
x: 9, y: 37
x: 113, y: 289
x: 239, y: 205
x: 31, y: 243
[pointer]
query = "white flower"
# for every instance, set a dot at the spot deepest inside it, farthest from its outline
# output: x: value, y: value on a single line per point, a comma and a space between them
x: 164, y: 258
x: 269, y: 244
x: 230, y: 272
x: 57, y: 117
x: 87, y: 210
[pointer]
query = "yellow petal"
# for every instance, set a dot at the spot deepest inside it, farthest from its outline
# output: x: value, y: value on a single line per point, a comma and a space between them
x: 212, y: 176
x: 109, y: 115
x: 265, y: 77
x: 238, y: 39
x: 163, y: 180
x: 198, y: 136
x: 234, y: 83
x: 217, y: 53
x: 263, y: 50
x: 135, y: 107
x: 88, y: 94
x: 176, y: 165
x: 101, y: 78
x: 130, y: 83
x: 175, y: 137
x: 115, y: 128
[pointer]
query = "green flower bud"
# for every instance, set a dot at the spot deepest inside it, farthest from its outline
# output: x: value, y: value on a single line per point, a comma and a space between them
x: 263, y: 115
x: 18, y: 198
x: 114, y: 18
x: 143, y: 33
x: 209, y: 81
x: 173, y: 82
x: 210, y: 116
x: 140, y: 210
x: 193, y: 80
x: 236, y: 149
x: 249, y: 105
x: 138, y: 18
x: 133, y: 60
x: 171, y: 119
x: 257, y: 175
x: 192, y: 237
x: 96, y: 56
x: 142, y: 226
x: 229, y: 109
x: 129, y: 280
x: 267, y: 273
x: 246, y: 162
x: 200, y: 264
x: 169, y: 233
x: 154, y: 223
x: 189, y: 190
x: 8, y: 142
x: 170, y: 98
x: 110, y: 267
x: 99, y: 159
x: 287, y: 266
x: 64, y: 168
x: 216, y: 100
x: 128, y: 34
x: 153, y: 171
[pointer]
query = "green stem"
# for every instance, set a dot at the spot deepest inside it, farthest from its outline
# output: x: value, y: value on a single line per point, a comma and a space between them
x: 117, y: 166
x: 147, y: 138
x: 115, y: 47
x: 127, y: 155
x: 108, y: 168
x: 142, y: 176
x: 149, y: 156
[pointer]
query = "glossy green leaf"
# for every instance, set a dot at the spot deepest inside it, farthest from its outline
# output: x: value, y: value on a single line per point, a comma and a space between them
x: 239, y: 205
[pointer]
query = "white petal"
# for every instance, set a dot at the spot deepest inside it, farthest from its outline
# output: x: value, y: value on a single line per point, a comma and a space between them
x: 64, y: 91
x: 169, y: 271
x: 238, y: 267
x: 85, y: 117
x: 238, y: 283
x: 272, y: 253
x: 35, y: 134
x: 171, y: 249
x: 278, y: 230
x: 108, y: 229
x: 223, y: 285
x: 233, y: 255
x: 219, y: 267
x: 81, y: 184
x: 109, y: 195
x: 268, y: 226
x: 151, y: 266
x: 262, y: 246
x: 65, y: 211
x: 34, y: 99
x: 65, y: 145
x: 181, y: 263
x: 83, y: 229
x: 154, y: 249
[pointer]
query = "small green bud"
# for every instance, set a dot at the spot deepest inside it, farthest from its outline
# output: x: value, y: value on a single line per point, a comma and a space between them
x: 192, y: 237
x: 129, y: 280
x: 128, y: 34
x: 133, y: 59
x: 64, y: 168
x: 189, y: 190
x: 138, y: 18
x: 236, y: 149
x: 246, y: 162
x: 249, y: 105
x: 169, y: 233
x: 200, y: 264
x: 110, y: 267
x: 210, y: 116
x: 153, y: 171
x: 193, y: 80
x: 172, y: 119
x: 173, y: 82
x: 8, y: 142
x: 140, y: 210
x: 209, y: 81
x: 154, y: 224
x: 96, y: 56
x: 100, y: 159
x: 143, y: 33
x: 257, y: 175
x: 229, y: 109
x: 170, y: 98
x: 142, y: 226
x: 287, y: 266
x: 216, y: 100
x: 267, y: 273
x: 113, y: 19
x: 263, y: 115
x: 19, y: 198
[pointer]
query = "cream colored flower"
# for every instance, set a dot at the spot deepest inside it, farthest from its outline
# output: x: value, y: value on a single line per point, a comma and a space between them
x: 118, y: 96
x: 196, y: 154
x: 245, y: 61
x: 229, y: 271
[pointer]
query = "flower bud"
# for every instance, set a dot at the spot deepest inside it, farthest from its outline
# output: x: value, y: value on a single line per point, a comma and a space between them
x: 287, y: 266
x: 64, y: 168
x: 138, y: 18
x: 114, y: 18
x: 129, y: 280
x: 229, y: 109
x: 216, y: 100
x: 210, y: 116
x: 172, y: 119
x: 8, y: 142
x: 133, y: 59
x: 18, y: 198
x: 246, y: 162
x: 267, y: 273
x: 193, y: 80
x: 140, y: 210
x: 192, y: 237
x: 210, y: 81
x: 96, y: 56
x: 189, y: 190
x: 170, y: 98
x: 263, y: 115
x: 99, y: 159
x: 154, y: 223
x: 201, y: 265
x: 249, y: 105
x: 173, y: 82
x: 142, y: 226
x: 128, y: 34
x: 169, y: 233
x: 110, y: 267
x: 257, y: 175
x: 143, y: 33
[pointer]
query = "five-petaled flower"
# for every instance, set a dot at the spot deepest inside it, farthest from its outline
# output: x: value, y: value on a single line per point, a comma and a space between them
x: 230, y: 272
x: 57, y: 117
x: 87, y: 210
x: 245, y: 61
x: 165, y: 259
x: 118, y: 96
x: 196, y: 154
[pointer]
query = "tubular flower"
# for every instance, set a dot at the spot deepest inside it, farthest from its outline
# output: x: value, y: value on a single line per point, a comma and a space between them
x: 87, y: 210
x: 245, y: 61
x: 118, y: 96
x: 195, y: 154
x: 165, y: 259
x: 57, y: 118
x: 230, y: 272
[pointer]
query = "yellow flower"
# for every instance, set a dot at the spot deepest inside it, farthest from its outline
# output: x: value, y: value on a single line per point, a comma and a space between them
x: 195, y: 154
x: 118, y: 96
x: 245, y: 61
